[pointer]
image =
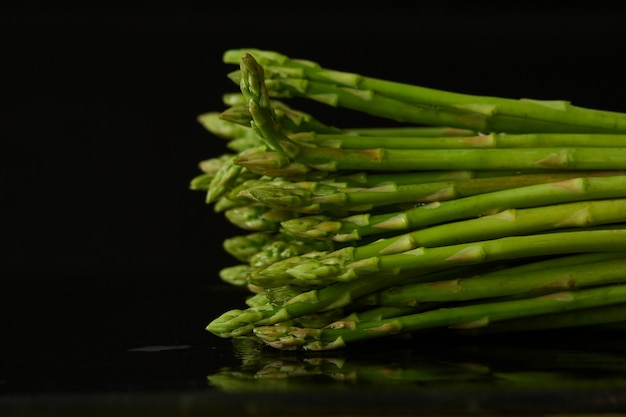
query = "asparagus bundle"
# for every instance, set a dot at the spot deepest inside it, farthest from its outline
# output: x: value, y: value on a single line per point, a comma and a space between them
x: 472, y: 213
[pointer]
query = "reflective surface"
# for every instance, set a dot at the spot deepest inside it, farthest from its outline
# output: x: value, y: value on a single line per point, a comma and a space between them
x: 148, y: 352
x: 107, y: 254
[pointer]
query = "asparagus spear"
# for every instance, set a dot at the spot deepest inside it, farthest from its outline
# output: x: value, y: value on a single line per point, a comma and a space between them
x: 341, y: 265
x: 478, y: 113
x: 285, y: 152
x: 264, y: 122
x: 317, y: 197
x: 588, y: 318
x: 424, y: 131
x: 343, y: 333
x: 500, y: 284
x: 492, y: 140
x: 375, y: 179
x: 360, y: 225
x: 258, y: 217
x: 376, y: 159
x: 236, y: 275
x: 224, y: 128
x: 283, y: 247
x: 370, y: 275
x: 390, y: 159
x: 244, y: 247
x: 289, y: 119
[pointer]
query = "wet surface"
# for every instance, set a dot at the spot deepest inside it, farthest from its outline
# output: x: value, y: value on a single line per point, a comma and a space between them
x: 149, y: 352
x: 108, y: 258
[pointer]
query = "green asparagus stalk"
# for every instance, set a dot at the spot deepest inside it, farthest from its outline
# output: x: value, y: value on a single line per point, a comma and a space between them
x: 224, y: 204
x: 526, y: 266
x: 492, y: 140
x: 588, y: 318
x: 224, y: 180
x: 342, y: 266
x: 219, y: 176
x: 289, y: 119
x: 501, y: 284
x: 374, y: 179
x: 360, y: 225
x: 390, y: 159
x: 478, y: 113
x: 264, y: 121
x: 225, y: 128
x: 311, y: 197
x: 244, y: 247
x: 352, y: 281
x: 236, y: 275
x: 412, y: 131
x: 325, y: 159
x: 283, y: 247
x: 471, y: 316
x: 237, y: 322
x: 258, y: 217
x: 294, y: 121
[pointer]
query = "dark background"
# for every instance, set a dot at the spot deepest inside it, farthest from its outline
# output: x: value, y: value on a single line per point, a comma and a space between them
x: 104, y: 243
x: 100, y: 115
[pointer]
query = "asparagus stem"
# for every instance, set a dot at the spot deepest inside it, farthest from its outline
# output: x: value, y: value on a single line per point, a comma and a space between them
x: 264, y: 121
x: 495, y: 114
x: 603, y: 315
x: 258, y: 217
x: 375, y: 179
x: 224, y: 180
x: 341, y: 265
x: 222, y: 127
x: 389, y: 159
x: 318, y: 197
x: 507, y: 222
x: 492, y: 140
x: 411, y: 131
x: 500, y: 284
x: 470, y: 316
x: 244, y: 247
x: 383, y: 272
x: 360, y: 225
x: 282, y: 247
x: 289, y: 119
x: 236, y: 275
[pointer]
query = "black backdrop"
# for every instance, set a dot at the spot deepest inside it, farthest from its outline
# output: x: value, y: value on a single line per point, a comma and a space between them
x: 99, y: 130
x: 100, y: 119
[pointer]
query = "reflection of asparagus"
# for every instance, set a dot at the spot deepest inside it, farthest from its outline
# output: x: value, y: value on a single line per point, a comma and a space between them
x: 448, y: 361
x: 469, y: 316
x: 283, y: 374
